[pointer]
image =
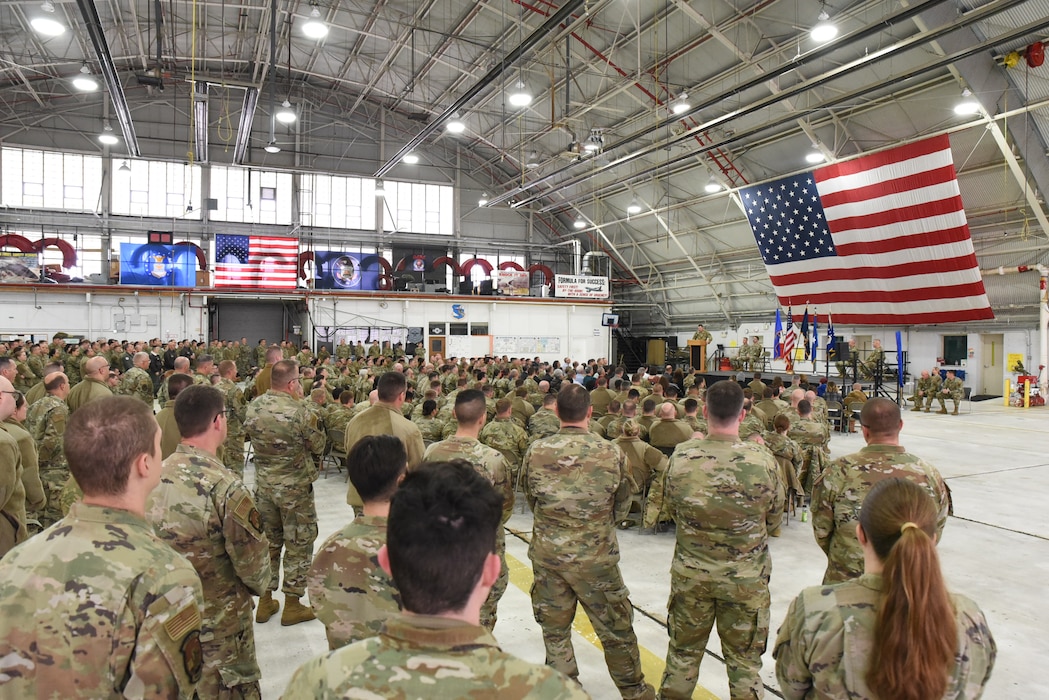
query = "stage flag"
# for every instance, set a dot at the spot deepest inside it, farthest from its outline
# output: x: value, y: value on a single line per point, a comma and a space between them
x: 883, y: 238
x: 805, y: 333
x: 777, y: 346
x: 789, y: 338
x: 832, y: 348
x: 262, y: 262
x: 899, y: 359
x: 815, y: 334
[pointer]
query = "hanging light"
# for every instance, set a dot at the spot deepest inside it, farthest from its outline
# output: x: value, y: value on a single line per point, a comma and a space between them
x: 124, y: 168
x: 680, y: 105
x: 107, y: 136
x: 633, y: 207
x: 410, y: 158
x: 533, y: 160
x: 83, y: 80
x: 286, y: 115
x: 46, y: 23
x: 483, y: 201
x: 380, y: 189
x: 272, y: 147
x: 713, y: 186
x: 314, y: 28
x: 815, y: 155
x: 519, y: 96
x: 455, y: 124
x: 595, y: 142
x: 825, y: 30
x: 968, y: 106
x: 579, y: 223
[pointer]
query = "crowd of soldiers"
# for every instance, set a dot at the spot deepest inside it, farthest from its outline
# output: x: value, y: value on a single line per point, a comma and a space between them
x: 589, y: 446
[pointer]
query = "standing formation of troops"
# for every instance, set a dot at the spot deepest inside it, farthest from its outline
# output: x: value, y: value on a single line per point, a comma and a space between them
x: 152, y: 551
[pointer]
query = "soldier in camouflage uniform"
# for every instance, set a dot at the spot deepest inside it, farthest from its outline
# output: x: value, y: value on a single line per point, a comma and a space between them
x: 442, y: 529
x: 952, y: 389
x: 921, y: 391
x: 812, y: 436
x: 506, y: 436
x: 349, y: 591
x: 575, y: 482
x: 97, y: 606
x: 702, y: 334
x: 71, y: 364
x: 283, y: 433
x: 236, y: 410
x: 836, y: 497
x: 430, y: 426
x: 935, y: 383
x: 830, y: 637
x: 46, y: 422
x: 206, y: 514
x: 544, y: 423
x: 726, y: 498
x: 470, y: 416
x: 647, y: 467
x: 789, y: 456
x: 136, y: 381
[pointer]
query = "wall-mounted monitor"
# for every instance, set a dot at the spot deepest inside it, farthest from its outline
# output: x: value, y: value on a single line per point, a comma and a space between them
x: 610, y: 320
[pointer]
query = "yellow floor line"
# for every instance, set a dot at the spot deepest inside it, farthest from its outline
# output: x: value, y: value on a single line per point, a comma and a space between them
x: 651, y: 665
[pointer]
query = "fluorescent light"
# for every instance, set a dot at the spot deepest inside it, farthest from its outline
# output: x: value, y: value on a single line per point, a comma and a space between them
x: 314, y: 28
x: 968, y: 106
x: 681, y: 104
x: 83, y: 80
x: 483, y: 201
x: 410, y: 158
x: 713, y: 186
x: 286, y: 115
x: 579, y: 223
x: 46, y: 23
x: 455, y: 124
x: 824, y: 30
x: 107, y: 136
x: 272, y: 147
x: 633, y: 208
x: 519, y: 96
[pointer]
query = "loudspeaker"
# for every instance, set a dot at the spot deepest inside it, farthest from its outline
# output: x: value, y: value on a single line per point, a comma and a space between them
x: 841, y: 351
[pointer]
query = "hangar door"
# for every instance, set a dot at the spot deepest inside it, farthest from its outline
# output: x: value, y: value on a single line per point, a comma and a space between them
x: 233, y: 319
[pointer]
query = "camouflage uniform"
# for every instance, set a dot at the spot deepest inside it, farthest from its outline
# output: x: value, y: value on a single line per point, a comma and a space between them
x: 383, y: 419
x: 349, y: 591
x: 510, y: 439
x: 725, y: 496
x: 543, y: 423
x: 647, y: 467
x: 137, y: 382
x: 24, y: 378
x: 283, y: 433
x: 236, y: 410
x: 935, y: 383
x: 922, y: 393
x: 85, y: 392
x: 36, y: 365
x: 98, y: 607
x: 46, y: 422
x: 838, y: 495
x: 204, y: 512
x: 750, y: 426
x: 789, y: 457
x: 12, y: 491
x: 71, y: 365
x: 489, y: 463
x: 575, y: 483
x: 812, y: 436
x: 954, y: 390
x: 431, y: 428
x: 421, y: 656
x: 823, y: 647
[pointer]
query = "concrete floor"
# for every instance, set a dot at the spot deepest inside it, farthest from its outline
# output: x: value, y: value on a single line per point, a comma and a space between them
x: 995, y: 550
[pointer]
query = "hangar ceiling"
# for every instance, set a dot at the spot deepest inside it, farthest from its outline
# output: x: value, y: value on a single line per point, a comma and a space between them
x: 603, y: 75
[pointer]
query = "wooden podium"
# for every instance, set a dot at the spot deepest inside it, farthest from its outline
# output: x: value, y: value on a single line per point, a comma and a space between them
x: 697, y: 354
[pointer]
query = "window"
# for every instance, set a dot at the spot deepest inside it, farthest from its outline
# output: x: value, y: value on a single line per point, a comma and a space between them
x: 955, y: 349
x: 457, y: 329
x: 158, y: 189
x: 413, y: 207
x: 332, y: 201
x: 251, y: 196
x: 478, y: 329
x: 46, y: 180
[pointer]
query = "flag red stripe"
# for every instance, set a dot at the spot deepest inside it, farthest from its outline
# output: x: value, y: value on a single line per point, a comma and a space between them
x: 892, y: 216
x: 937, y: 176
x: 920, y: 267
x: 957, y: 234
x: 888, y: 157
x: 931, y: 317
x: 899, y: 297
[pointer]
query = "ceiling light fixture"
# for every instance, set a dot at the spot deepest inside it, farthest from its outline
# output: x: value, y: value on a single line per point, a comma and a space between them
x: 579, y: 223
x: 410, y: 158
x: 519, y: 96
x: 314, y: 28
x: 713, y: 186
x: 107, y: 136
x: 455, y: 124
x: 83, y: 80
x: 380, y: 189
x: 633, y: 207
x: 46, y: 23
x: 483, y: 201
x: 825, y: 30
x: 272, y: 147
x: 681, y: 104
x: 124, y: 168
x: 968, y: 106
x: 533, y: 160
x: 815, y: 155
x: 595, y: 142
x: 286, y: 115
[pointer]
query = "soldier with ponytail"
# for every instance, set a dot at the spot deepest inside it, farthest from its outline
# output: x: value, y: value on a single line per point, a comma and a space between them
x: 894, y: 633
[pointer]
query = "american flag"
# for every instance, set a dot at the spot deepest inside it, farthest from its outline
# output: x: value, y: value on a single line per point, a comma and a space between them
x: 789, y: 338
x: 269, y: 262
x: 882, y: 239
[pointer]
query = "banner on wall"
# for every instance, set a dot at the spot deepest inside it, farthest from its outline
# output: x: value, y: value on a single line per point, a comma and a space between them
x: 264, y: 262
x: 157, y: 265
x: 511, y: 283
x: 350, y: 270
x: 580, y: 287
x: 19, y: 267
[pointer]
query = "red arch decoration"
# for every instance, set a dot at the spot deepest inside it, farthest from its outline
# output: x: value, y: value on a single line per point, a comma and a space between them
x: 15, y: 241
x: 401, y: 265
x: 548, y: 274
x: 68, y: 252
x: 445, y: 260
x: 511, y: 265
x: 385, y: 282
x: 468, y: 266
x: 202, y: 259
x: 303, y: 259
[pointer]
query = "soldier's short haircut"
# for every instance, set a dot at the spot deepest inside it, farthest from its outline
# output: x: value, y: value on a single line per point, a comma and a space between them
x: 283, y: 373
x: 881, y: 416
x: 502, y: 406
x: 724, y: 402
x: 572, y: 403
x: 667, y: 410
x: 804, y: 407
x: 551, y: 399
x: 691, y: 405
x: 375, y: 464
x: 319, y: 395
x: 181, y: 362
x: 469, y: 406
x: 521, y: 391
x: 390, y: 385
x: 53, y: 381
x: 274, y: 354
x: 614, y: 406
x: 633, y: 394
x: 196, y: 408
x: 441, y: 528
x: 345, y: 396
x: 649, y: 405
x: 227, y: 367
x: 139, y: 356
x: 177, y: 382
x: 102, y: 440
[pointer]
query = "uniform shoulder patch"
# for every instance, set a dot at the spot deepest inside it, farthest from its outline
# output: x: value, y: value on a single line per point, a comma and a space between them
x: 193, y: 656
x: 245, y: 512
x: 183, y: 622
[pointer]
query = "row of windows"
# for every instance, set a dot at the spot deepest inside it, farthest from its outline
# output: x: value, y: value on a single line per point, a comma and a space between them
x: 73, y: 182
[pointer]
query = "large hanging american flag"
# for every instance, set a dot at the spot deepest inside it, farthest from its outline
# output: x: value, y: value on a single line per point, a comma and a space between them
x: 883, y: 239
x: 262, y: 262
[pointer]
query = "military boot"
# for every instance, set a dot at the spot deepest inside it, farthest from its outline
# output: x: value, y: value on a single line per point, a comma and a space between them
x: 295, y: 612
x: 267, y: 608
x: 942, y: 411
x: 916, y: 408
x: 955, y: 411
